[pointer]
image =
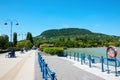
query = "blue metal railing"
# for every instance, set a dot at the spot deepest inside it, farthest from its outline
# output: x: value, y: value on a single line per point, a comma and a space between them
x: 93, y: 59
x: 46, y: 72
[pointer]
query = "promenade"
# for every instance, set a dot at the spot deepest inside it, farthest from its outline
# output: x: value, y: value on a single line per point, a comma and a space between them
x: 20, y: 68
x: 65, y: 70
x: 25, y: 67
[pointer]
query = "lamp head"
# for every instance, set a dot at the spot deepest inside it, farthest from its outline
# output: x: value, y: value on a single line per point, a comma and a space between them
x: 17, y: 23
x: 5, y: 23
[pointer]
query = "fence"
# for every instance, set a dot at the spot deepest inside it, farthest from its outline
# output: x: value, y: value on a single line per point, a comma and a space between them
x: 47, y: 74
x: 88, y: 59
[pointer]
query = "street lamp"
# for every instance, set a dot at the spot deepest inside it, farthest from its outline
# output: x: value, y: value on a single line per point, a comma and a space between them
x: 22, y: 36
x: 11, y: 24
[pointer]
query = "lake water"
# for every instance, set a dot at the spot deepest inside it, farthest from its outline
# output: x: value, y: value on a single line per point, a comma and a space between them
x: 93, y: 51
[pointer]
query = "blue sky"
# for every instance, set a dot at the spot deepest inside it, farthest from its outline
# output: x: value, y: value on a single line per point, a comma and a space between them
x: 36, y: 16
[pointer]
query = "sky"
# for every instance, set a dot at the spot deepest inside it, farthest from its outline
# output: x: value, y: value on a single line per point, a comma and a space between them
x: 36, y: 16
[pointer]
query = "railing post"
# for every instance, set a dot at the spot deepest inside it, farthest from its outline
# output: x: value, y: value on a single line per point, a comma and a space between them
x: 74, y: 56
x: 116, y: 67
x: 52, y: 75
x: 81, y: 59
x: 102, y: 63
x: 40, y: 62
x: 42, y: 65
x: 45, y: 71
x: 77, y: 56
x: 89, y: 58
x: 84, y: 58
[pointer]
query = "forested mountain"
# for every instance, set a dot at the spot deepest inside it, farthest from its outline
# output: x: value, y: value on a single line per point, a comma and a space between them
x: 78, y: 37
x: 65, y: 32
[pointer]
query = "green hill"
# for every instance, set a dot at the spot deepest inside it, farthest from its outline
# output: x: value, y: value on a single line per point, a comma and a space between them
x: 65, y: 32
x: 81, y: 36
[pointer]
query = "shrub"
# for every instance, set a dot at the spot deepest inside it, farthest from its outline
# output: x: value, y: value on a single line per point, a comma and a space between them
x: 42, y: 46
x: 53, y: 50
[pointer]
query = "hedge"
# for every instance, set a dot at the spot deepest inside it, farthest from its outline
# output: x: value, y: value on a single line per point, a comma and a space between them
x: 53, y: 50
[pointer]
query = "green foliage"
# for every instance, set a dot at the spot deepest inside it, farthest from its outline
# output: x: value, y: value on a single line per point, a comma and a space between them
x: 75, y: 37
x: 53, y: 50
x: 65, y: 32
x: 44, y: 45
x: 20, y: 45
x: 29, y: 37
x: 3, y: 41
x: 5, y: 44
x: 24, y: 44
x: 28, y: 44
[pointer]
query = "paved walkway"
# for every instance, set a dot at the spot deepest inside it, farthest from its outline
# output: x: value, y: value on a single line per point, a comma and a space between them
x: 25, y: 67
x: 65, y: 70
x: 19, y: 68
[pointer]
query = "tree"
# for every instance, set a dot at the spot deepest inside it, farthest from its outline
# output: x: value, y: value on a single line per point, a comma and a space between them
x: 3, y: 41
x: 28, y: 44
x: 29, y: 37
x: 14, y: 39
x: 20, y: 45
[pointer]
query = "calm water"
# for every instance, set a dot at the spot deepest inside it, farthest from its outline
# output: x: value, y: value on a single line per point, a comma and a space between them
x: 93, y: 51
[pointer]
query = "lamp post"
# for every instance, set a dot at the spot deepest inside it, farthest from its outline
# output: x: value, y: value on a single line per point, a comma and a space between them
x: 22, y: 36
x: 11, y: 25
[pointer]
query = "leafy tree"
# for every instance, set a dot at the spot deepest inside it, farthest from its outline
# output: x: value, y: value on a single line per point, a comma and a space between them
x: 3, y: 41
x: 29, y: 37
x: 28, y: 44
x: 20, y: 45
x: 14, y: 39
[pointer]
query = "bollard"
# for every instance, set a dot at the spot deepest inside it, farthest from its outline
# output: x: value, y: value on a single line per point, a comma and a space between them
x: 52, y: 75
x: 89, y: 58
x: 102, y: 63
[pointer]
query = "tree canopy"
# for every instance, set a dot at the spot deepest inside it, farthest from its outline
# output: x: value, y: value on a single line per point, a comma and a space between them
x: 29, y: 37
x: 4, y: 39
